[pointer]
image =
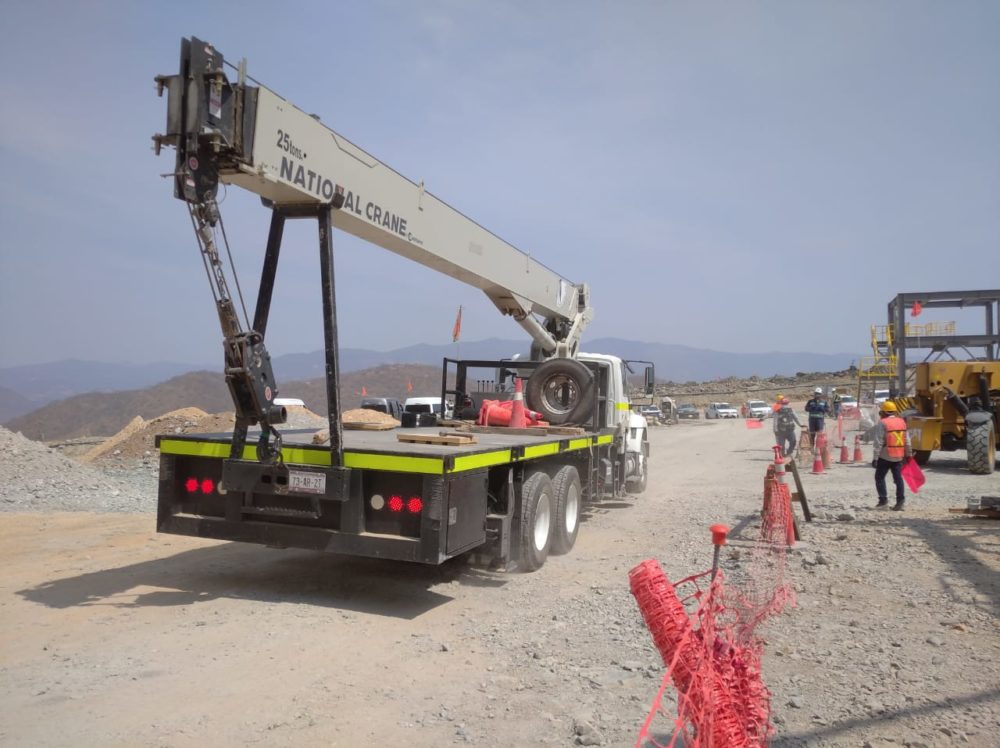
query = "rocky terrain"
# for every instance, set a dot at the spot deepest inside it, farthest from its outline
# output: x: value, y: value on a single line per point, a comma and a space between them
x: 136, y: 638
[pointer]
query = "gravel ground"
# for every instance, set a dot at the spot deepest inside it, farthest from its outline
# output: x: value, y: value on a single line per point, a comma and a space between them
x: 893, y: 641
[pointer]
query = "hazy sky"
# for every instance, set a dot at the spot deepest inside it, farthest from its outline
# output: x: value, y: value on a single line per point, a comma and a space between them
x: 736, y: 176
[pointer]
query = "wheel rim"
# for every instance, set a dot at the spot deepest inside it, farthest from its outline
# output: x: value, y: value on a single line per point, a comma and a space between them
x: 572, y: 509
x: 543, y: 516
x: 560, y: 394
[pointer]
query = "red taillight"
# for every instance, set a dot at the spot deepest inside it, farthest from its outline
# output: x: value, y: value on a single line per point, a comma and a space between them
x: 194, y: 485
x: 396, y: 503
x: 414, y: 505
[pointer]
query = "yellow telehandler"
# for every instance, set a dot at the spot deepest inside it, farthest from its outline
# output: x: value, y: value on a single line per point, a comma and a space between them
x: 956, y: 406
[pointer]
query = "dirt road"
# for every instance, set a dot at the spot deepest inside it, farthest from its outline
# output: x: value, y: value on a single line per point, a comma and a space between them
x: 113, y: 635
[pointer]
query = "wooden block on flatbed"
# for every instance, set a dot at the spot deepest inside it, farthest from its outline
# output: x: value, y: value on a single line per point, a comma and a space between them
x: 365, y: 426
x: 451, y: 440
x: 562, y: 430
x: 506, y: 430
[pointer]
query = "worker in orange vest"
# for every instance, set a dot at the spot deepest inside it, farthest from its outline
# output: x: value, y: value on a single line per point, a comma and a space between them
x: 891, y: 448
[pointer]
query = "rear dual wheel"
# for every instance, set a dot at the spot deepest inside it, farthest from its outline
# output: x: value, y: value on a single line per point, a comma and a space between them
x: 569, y: 501
x: 550, y: 515
x: 536, y: 513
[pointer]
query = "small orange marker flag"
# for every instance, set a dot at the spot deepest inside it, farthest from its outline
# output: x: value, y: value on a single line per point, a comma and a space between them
x: 456, y: 331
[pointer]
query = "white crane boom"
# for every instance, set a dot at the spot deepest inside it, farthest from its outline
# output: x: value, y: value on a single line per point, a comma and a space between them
x: 250, y: 137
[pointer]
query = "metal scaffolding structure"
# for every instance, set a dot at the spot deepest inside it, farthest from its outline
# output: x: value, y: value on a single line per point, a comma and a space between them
x: 940, y: 339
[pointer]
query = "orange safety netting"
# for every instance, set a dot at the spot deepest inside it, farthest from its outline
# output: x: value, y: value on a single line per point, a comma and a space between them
x: 707, y: 637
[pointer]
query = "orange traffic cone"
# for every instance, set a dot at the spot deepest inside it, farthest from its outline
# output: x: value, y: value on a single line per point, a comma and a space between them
x: 517, y: 419
x: 818, y: 456
x: 858, y: 456
x: 824, y: 450
x: 845, y: 458
x: 779, y: 464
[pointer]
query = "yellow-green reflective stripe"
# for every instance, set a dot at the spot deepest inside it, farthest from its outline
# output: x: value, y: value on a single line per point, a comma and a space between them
x: 622, y: 406
x: 221, y: 451
x: 472, y: 462
x: 297, y: 456
x: 579, y: 443
x: 195, y: 449
x: 394, y: 463
x: 540, y: 450
x: 606, y: 439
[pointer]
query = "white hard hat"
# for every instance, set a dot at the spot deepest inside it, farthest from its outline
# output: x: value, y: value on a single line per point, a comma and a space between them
x: 818, y: 391
x: 834, y: 389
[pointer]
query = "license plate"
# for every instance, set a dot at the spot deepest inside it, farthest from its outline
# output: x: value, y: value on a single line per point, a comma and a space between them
x: 302, y: 481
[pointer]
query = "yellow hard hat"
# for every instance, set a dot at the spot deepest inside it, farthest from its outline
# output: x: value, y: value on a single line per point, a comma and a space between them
x: 889, y: 407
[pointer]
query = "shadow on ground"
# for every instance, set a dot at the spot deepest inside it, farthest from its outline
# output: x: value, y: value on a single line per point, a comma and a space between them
x: 956, y: 540
x: 883, y: 722
x: 238, y: 571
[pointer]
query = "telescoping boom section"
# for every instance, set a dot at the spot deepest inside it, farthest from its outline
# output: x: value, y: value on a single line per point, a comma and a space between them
x: 230, y: 131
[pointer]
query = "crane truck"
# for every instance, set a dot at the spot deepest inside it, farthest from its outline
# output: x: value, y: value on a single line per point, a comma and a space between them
x: 510, y: 498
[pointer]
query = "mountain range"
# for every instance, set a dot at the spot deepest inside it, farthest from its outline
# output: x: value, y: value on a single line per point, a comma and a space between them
x: 24, y: 389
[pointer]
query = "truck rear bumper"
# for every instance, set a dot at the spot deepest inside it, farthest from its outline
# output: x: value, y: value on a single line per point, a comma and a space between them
x: 278, y: 535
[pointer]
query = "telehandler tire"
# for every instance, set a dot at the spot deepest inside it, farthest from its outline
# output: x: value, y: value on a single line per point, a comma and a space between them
x: 981, y: 447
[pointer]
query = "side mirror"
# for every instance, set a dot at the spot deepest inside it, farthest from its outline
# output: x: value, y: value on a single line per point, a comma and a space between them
x: 650, y: 380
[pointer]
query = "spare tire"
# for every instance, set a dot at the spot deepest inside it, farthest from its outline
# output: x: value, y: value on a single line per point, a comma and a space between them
x: 562, y: 390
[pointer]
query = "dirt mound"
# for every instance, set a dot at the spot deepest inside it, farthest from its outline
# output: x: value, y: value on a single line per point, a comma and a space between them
x: 138, y: 439
x: 364, y: 415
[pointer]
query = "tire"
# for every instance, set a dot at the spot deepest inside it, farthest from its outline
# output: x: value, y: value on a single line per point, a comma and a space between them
x: 922, y: 456
x: 981, y: 447
x: 562, y: 390
x: 569, y: 500
x: 639, y: 486
x: 536, y: 512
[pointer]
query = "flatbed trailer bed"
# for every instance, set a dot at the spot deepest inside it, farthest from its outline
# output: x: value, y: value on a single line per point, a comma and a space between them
x: 408, y: 501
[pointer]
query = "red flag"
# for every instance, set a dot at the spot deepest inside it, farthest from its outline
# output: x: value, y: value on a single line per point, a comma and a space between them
x: 456, y: 331
x: 364, y: 390
x: 913, y: 475
x: 753, y: 423
x: 409, y: 386
x: 917, y: 308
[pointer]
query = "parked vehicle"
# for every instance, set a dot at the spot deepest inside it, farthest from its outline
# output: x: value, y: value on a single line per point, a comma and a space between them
x: 848, y: 405
x: 956, y: 405
x: 688, y: 412
x: 501, y: 497
x: 427, y: 405
x: 721, y: 410
x: 669, y: 408
x: 881, y: 396
x: 756, y: 409
x: 389, y: 405
x: 651, y: 413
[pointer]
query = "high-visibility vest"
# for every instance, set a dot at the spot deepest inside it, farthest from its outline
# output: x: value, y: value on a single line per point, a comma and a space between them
x: 895, y: 436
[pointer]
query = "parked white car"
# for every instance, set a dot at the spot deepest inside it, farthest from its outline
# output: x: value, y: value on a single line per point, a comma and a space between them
x: 757, y: 409
x: 721, y: 410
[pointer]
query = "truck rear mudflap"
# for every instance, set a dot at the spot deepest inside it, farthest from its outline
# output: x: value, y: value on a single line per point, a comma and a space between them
x: 402, y: 516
